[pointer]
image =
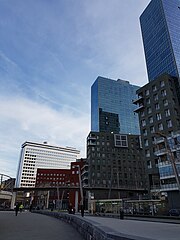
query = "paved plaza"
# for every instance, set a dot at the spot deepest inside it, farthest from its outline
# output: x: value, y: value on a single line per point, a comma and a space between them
x: 31, y: 226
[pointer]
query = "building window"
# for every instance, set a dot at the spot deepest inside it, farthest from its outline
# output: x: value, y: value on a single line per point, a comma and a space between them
x: 120, y: 140
x: 160, y: 126
x: 157, y: 106
x: 167, y: 112
x: 165, y: 102
x: 158, y: 116
x: 151, y: 119
x: 149, y: 110
x: 149, y: 165
x: 176, y: 111
x: 169, y: 123
x: 153, y: 140
x: 154, y: 88
x: 155, y: 97
x: 152, y: 130
x: 144, y: 132
x: 163, y: 93
x: 162, y: 83
x: 143, y: 122
x: 142, y: 114
x: 147, y: 153
x: 148, y: 101
x: 146, y: 144
x: 147, y: 92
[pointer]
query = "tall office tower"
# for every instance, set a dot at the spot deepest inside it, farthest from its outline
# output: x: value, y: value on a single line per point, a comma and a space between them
x: 115, y: 162
x: 160, y: 25
x: 112, y: 109
x: 36, y: 155
x: 159, y: 111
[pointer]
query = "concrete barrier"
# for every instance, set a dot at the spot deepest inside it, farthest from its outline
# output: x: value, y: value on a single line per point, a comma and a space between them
x: 90, y: 230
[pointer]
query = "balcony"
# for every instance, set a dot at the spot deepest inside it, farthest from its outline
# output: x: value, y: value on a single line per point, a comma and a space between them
x: 167, y: 175
x: 139, y: 108
x: 139, y: 99
x: 169, y: 187
x: 175, y: 148
x: 161, y: 152
x: 90, y: 137
x: 159, y: 140
x: 91, y: 143
x: 163, y: 163
x: 85, y: 166
x: 84, y: 171
x: 85, y: 177
x: 155, y: 189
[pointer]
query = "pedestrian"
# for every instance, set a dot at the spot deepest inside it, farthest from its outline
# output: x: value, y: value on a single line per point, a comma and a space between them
x: 21, y: 208
x: 16, y: 209
x: 121, y: 214
x: 70, y: 208
x: 82, y: 210
x: 30, y: 208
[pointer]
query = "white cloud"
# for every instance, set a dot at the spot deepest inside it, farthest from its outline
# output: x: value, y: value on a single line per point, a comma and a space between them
x: 53, y: 58
x: 26, y: 120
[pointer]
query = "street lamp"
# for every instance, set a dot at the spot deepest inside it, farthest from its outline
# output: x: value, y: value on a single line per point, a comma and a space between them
x: 172, y: 159
x: 80, y: 185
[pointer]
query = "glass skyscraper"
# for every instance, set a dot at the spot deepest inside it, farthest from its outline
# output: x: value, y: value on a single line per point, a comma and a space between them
x: 112, y: 107
x: 160, y: 25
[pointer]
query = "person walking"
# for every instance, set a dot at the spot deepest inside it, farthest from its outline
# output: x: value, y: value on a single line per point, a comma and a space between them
x: 21, y: 208
x: 82, y: 210
x: 16, y: 209
x: 121, y: 213
x: 30, y: 208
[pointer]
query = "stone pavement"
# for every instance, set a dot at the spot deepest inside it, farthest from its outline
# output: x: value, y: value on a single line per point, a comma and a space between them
x: 140, y: 229
x: 103, y: 228
x: 30, y: 226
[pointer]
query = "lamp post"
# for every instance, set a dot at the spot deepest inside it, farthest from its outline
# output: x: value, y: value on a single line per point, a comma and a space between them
x: 80, y: 185
x: 172, y: 159
x: 58, y: 198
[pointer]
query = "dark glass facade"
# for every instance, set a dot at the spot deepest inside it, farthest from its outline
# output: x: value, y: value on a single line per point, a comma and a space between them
x: 114, y: 97
x: 160, y: 25
x: 108, y: 122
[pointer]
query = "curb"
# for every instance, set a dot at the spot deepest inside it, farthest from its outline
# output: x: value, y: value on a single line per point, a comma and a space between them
x: 90, y: 230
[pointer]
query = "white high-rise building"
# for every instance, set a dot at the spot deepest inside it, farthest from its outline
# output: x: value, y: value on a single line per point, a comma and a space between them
x: 36, y: 155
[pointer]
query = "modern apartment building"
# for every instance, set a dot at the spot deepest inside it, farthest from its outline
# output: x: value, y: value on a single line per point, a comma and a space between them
x: 37, y: 155
x: 115, y: 165
x: 112, y: 109
x: 159, y: 112
x: 169, y: 167
x: 160, y: 25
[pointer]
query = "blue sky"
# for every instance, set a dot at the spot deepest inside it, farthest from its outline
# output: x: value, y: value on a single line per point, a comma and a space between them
x: 51, y: 52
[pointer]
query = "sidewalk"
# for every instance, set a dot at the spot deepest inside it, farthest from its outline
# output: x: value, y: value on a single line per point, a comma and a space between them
x: 138, y: 229
x: 29, y: 226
